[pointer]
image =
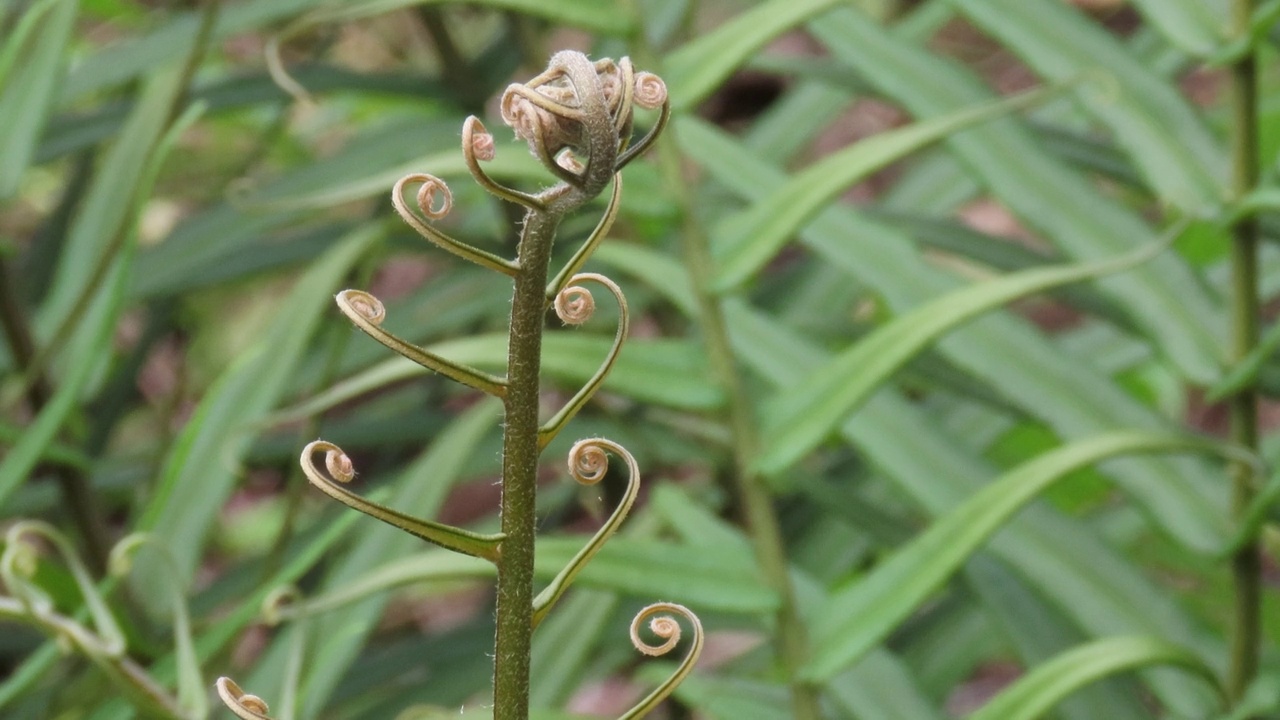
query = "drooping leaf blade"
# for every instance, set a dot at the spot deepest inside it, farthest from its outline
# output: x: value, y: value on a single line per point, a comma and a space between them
x: 1035, y: 693
x: 695, y: 69
x: 27, y: 89
x: 799, y: 418
x: 200, y: 470
x: 752, y: 238
x: 1166, y: 298
x: 858, y: 617
x: 1151, y: 119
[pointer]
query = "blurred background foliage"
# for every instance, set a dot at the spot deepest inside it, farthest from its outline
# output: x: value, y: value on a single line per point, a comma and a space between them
x: 175, y: 224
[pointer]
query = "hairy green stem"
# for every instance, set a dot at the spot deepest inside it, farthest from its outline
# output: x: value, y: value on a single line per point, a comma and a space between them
x: 520, y: 469
x: 1245, y: 564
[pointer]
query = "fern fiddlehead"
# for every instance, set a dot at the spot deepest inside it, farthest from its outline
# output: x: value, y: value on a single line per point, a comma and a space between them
x: 577, y: 118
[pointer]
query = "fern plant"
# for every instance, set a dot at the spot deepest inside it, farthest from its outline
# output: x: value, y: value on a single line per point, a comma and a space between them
x: 937, y: 441
x: 577, y: 118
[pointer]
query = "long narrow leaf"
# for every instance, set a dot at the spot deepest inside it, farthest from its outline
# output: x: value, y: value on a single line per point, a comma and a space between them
x: 100, y: 322
x: 1195, y: 26
x: 201, y: 470
x: 753, y: 237
x: 1100, y: 590
x: 856, y: 619
x: 27, y: 90
x: 801, y: 417
x: 1165, y: 298
x: 603, y: 16
x: 1035, y: 693
x: 697, y: 68
x: 1063, y: 390
x: 1167, y: 140
x: 109, y: 203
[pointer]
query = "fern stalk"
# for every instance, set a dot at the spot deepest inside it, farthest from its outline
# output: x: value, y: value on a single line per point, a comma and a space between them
x: 758, y: 513
x: 1246, y: 563
x: 519, y: 470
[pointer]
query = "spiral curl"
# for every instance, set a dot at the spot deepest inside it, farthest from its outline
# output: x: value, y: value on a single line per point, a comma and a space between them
x: 244, y: 705
x: 477, y: 147
x: 425, y: 198
x: 541, y: 114
x: 611, y: 82
x: 18, y: 565
x: 278, y: 602
x: 662, y: 624
x: 339, y: 471
x: 521, y: 115
x: 588, y: 464
x: 574, y: 105
x: 575, y: 305
x: 482, y: 146
x: 569, y: 161
x: 339, y: 465
x: 651, y: 91
x: 367, y: 312
x: 426, y: 202
x: 588, y: 461
x: 364, y: 304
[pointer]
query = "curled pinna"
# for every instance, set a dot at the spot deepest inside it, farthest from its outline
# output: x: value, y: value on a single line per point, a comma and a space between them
x: 663, y: 623
x: 244, y: 705
x: 339, y: 470
x: 588, y: 463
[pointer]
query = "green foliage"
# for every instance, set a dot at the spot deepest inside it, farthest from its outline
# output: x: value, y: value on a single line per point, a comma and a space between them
x: 918, y: 407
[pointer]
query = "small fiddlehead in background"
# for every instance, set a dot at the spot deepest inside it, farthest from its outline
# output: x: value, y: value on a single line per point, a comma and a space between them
x: 104, y: 645
x: 191, y: 687
x: 244, y: 705
x: 18, y: 564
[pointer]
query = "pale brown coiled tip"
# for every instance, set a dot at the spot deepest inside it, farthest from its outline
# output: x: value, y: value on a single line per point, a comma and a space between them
x: 336, y: 462
x: 244, y: 705
x: 363, y: 304
x: 482, y: 147
x: 574, y: 305
x: 588, y: 462
x: 662, y: 624
x: 650, y: 90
